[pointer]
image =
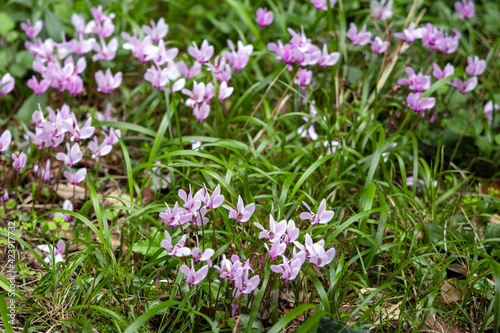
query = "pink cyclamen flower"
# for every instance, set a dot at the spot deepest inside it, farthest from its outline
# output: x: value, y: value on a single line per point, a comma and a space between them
x: 206, y: 255
x: 410, y: 34
x: 19, y: 161
x: 6, y: 84
x: 73, y: 156
x: 5, y: 141
x: 99, y: 16
x: 242, y: 213
x: 277, y: 249
x: 385, y: 155
x: 175, y: 216
x: 67, y: 205
x: 289, y: 269
x: 304, y: 77
x: 197, y: 95
x: 264, y: 17
x: 105, y: 29
x: 99, y: 150
x: 85, y: 132
x: 410, y: 182
x: 191, y: 203
x: 158, y: 77
x: 246, y: 285
x: 328, y: 59
x: 446, y: 71
x: 78, y: 22
x: 107, y: 82
x: 488, y: 111
x: 332, y: 146
x: 464, y: 86
x: 323, y: 216
x: 238, y: 59
x: 379, y: 46
x: 465, y: 8
x: 194, y: 277
x: 322, y: 4
x: 156, y: 31
x: 38, y: 87
x: 201, y: 112
x: 221, y: 69
x: 225, y: 91
x: 159, y: 54
x: 316, y: 252
x: 58, y: 252
x: 44, y: 173
x: 112, y: 137
x: 32, y: 31
x: 177, y: 250
x: 382, y: 10
x: 292, y: 233
x: 417, y: 82
x: 76, y: 178
x: 275, y: 232
x: 361, y: 38
x: 105, y: 52
x: 420, y: 104
x: 476, y: 66
x: 202, y: 54
x: 303, y: 131
x: 210, y: 201
x: 188, y: 72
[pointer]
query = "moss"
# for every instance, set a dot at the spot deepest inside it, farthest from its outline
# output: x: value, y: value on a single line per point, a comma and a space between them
x: 102, y: 321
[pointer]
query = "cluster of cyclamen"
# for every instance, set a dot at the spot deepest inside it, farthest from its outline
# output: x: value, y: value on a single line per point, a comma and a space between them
x: 18, y: 159
x: 362, y: 37
x: 61, y: 126
x: 194, y: 211
x: 236, y: 270
x: 419, y: 83
x: 283, y: 233
x: 200, y: 97
x: 66, y: 76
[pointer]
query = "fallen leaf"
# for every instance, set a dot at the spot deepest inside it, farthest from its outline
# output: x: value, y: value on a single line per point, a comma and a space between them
x: 438, y: 326
x: 457, y: 268
x: 117, y: 193
x: 65, y: 191
x: 449, y: 293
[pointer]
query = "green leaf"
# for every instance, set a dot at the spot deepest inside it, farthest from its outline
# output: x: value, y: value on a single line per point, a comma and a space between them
x: 6, y: 23
x: 148, y: 314
x: 492, y: 231
x: 43, y: 285
x: 280, y: 325
x: 5, y: 315
x: 327, y: 325
x: 497, y: 139
x: 53, y: 25
x: 149, y: 247
x: 257, y: 326
x: 31, y: 105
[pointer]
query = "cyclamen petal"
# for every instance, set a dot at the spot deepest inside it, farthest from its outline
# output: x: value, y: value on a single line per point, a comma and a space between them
x: 382, y: 10
x: 488, y: 109
x: 5, y: 141
x: 379, y: 46
x: 475, y: 66
x: 264, y: 17
x: 465, y: 8
x: 358, y: 39
x: 107, y: 82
